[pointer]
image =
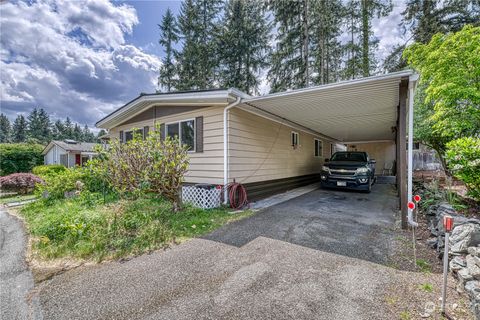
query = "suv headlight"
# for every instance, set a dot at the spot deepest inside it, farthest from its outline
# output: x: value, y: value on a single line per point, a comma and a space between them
x: 362, y: 170
x: 325, y: 168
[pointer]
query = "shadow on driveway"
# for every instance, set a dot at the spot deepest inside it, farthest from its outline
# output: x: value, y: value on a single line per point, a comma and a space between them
x: 348, y: 223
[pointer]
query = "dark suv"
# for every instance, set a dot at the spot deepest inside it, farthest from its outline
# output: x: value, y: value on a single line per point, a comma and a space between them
x: 349, y: 169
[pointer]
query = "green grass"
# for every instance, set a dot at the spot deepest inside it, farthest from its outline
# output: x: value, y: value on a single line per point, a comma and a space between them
x: 427, y: 287
x: 424, y: 266
x: 17, y: 198
x: 85, y: 228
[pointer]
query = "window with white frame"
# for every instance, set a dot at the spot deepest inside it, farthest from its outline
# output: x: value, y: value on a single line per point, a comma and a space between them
x: 294, y: 139
x: 318, y: 147
x: 184, y: 131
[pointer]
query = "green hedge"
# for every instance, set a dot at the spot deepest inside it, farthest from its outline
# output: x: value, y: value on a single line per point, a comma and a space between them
x: 48, y: 170
x: 19, y: 157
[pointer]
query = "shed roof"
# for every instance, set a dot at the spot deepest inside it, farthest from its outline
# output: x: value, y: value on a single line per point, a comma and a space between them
x: 75, y: 147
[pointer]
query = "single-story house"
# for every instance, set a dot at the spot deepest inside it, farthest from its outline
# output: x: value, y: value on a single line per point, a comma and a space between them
x: 68, y: 152
x: 279, y: 141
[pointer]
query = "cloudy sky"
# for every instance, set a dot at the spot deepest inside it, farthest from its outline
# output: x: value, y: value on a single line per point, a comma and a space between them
x: 83, y: 59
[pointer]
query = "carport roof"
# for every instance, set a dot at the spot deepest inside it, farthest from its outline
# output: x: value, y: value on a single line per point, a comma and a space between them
x: 355, y: 110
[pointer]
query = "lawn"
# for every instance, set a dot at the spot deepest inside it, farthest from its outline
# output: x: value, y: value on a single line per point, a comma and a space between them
x: 16, y: 198
x: 86, y: 228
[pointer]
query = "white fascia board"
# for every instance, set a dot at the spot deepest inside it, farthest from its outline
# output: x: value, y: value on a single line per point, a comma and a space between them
x: 207, y: 98
x: 389, y: 76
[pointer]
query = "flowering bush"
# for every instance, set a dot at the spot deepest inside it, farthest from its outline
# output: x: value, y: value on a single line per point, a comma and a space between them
x: 463, y: 159
x: 143, y: 166
x: 20, y: 182
x: 65, y: 181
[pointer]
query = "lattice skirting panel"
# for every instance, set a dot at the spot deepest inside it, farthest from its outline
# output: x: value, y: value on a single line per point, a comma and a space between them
x: 201, y: 197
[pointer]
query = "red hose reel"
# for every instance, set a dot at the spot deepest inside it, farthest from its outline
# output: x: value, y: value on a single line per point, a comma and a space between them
x: 237, y: 195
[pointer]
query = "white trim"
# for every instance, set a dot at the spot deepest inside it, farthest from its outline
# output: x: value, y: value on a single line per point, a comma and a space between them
x: 225, y: 148
x: 411, y: 94
x: 392, y: 75
x: 368, y: 141
x: 180, y: 132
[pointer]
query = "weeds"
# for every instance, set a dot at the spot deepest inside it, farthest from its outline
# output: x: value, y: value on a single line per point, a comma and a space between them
x: 424, y: 266
x: 427, y: 287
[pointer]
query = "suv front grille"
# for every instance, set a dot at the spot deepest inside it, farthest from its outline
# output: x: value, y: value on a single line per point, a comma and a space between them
x: 343, y: 172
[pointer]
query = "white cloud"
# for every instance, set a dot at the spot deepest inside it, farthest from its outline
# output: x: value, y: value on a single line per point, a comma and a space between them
x: 70, y: 57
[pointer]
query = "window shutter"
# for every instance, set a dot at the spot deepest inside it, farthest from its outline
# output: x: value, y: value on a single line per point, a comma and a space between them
x: 199, y: 134
x: 145, y: 132
x: 162, y: 131
x: 121, y: 136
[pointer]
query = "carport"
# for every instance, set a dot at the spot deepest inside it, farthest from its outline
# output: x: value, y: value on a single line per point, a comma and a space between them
x: 367, y: 111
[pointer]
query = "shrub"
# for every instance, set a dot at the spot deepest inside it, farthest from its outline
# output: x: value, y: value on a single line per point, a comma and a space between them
x: 140, y: 166
x: 48, y: 170
x: 19, y: 157
x: 463, y: 158
x: 20, y: 182
x: 65, y: 181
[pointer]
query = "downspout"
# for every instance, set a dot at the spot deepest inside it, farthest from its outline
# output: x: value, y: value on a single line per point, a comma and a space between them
x: 411, y: 94
x: 225, y: 148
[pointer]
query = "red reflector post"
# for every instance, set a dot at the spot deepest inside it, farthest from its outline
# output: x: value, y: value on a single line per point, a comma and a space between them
x: 448, y: 223
x: 411, y: 205
x: 417, y: 198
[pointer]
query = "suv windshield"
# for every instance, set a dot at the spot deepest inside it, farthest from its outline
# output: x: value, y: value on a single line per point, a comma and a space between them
x: 349, y: 156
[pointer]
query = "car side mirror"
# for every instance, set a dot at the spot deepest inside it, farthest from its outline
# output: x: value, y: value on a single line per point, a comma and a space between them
x: 327, y: 160
x: 373, y: 161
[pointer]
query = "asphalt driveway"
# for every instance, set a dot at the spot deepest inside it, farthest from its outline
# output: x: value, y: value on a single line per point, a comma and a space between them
x: 303, y: 259
x: 348, y: 223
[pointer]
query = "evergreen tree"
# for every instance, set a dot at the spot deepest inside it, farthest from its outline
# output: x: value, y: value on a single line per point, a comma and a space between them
x: 168, y: 37
x: 39, y: 125
x: 244, y: 45
x: 326, y: 49
x: 352, y: 49
x: 77, y: 133
x: 68, y: 129
x: 45, y: 126
x: 88, y: 136
x: 290, y: 64
x: 5, y: 129
x: 58, y: 130
x: 198, y: 59
x: 20, y: 128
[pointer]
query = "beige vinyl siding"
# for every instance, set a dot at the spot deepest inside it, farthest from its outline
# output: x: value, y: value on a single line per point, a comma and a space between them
x: 206, y: 166
x: 260, y: 149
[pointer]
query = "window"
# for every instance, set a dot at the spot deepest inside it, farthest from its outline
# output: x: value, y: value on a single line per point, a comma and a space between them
x: 184, y: 131
x: 63, y: 160
x: 294, y: 139
x: 318, y: 147
x: 128, y: 135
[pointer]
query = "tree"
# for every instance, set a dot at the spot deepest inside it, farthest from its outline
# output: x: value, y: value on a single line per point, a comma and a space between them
x: 20, y: 128
x: 424, y: 18
x: 77, y: 133
x: 244, y: 45
x: 352, y: 49
x: 168, y: 37
x: 326, y: 48
x: 101, y: 133
x: 370, y: 9
x: 449, y: 108
x: 198, y: 59
x: 58, y: 130
x: 290, y: 63
x: 39, y: 125
x: 87, y: 135
x: 5, y: 129
x: 68, y: 129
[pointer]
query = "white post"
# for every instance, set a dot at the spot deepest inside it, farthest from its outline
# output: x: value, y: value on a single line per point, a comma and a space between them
x: 411, y: 95
x: 225, y: 148
x: 445, y: 273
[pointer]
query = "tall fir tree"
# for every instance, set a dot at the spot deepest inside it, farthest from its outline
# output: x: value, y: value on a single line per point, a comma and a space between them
x: 198, y: 59
x: 352, y: 50
x: 327, y: 17
x: 244, y: 44
x: 290, y: 63
x: 39, y: 125
x: 5, y: 129
x: 77, y: 133
x: 20, y: 127
x: 87, y: 135
x: 68, y: 129
x: 168, y: 38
